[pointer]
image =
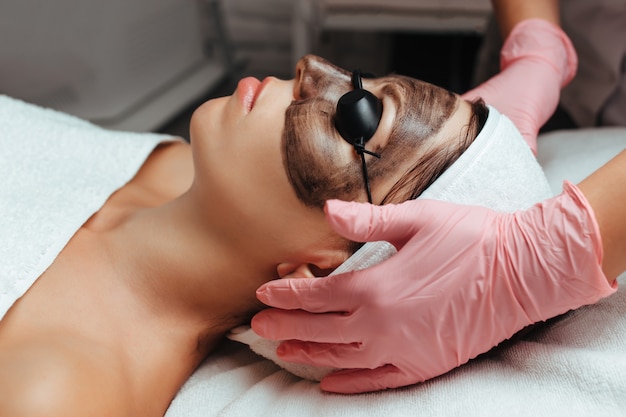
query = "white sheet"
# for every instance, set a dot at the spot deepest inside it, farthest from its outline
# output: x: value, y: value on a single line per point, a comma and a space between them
x: 56, y: 171
x: 573, y: 366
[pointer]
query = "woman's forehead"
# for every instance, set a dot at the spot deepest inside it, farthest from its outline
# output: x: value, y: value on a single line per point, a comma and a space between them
x: 315, y: 76
x: 318, y: 78
x: 399, y: 84
x: 410, y: 95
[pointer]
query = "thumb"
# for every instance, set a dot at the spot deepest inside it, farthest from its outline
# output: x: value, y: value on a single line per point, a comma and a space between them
x: 363, y: 222
x: 354, y: 381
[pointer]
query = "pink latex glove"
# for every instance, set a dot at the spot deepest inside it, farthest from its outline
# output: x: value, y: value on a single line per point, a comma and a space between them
x: 465, y: 279
x: 536, y: 61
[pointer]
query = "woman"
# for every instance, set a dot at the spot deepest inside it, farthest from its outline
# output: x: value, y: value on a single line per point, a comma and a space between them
x: 148, y: 285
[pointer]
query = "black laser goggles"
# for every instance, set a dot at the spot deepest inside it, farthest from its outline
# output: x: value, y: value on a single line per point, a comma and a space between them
x: 357, y: 118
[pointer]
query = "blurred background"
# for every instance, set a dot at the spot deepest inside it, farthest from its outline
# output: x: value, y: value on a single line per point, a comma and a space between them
x: 144, y: 65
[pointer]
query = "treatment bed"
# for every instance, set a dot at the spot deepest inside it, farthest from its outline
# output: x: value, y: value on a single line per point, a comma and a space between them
x: 574, y: 365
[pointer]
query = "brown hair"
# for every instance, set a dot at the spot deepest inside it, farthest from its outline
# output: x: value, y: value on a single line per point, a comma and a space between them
x: 436, y: 159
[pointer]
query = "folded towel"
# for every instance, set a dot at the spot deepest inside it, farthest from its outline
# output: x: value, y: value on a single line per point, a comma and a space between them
x: 498, y: 171
x: 57, y: 170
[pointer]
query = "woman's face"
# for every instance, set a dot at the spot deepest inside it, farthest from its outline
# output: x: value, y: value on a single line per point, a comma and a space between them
x: 270, y: 151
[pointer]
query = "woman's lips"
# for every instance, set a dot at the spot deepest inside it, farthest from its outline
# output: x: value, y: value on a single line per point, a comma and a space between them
x: 247, y: 90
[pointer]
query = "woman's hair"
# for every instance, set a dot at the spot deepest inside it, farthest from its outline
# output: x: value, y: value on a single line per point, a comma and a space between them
x: 437, y: 158
x: 411, y: 155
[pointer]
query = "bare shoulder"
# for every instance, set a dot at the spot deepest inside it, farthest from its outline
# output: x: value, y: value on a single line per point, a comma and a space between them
x: 55, y: 376
x: 168, y: 170
x: 165, y: 175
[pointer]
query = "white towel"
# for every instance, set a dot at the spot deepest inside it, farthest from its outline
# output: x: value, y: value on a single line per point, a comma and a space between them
x: 56, y: 171
x: 498, y: 171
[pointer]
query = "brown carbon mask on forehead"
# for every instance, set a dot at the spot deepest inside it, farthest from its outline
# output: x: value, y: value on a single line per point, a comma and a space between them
x: 310, y: 142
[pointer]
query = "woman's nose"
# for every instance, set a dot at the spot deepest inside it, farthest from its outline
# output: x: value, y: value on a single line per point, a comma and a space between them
x: 316, y: 77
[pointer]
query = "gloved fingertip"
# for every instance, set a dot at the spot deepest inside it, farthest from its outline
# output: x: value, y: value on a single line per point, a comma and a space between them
x: 339, y: 383
x: 350, y: 219
x: 338, y: 208
x: 356, y: 381
x: 291, y: 351
x: 275, y: 291
x: 262, y: 294
x: 331, y: 387
x: 258, y: 324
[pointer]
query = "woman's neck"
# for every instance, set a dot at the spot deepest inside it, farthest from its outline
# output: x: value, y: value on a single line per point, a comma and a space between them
x: 168, y: 250
x: 175, y: 262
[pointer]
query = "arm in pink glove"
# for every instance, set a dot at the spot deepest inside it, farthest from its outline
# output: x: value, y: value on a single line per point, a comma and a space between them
x: 536, y: 61
x: 465, y: 279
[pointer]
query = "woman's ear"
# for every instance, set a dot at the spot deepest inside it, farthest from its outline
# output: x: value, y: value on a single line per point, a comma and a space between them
x: 287, y: 270
x: 319, y: 266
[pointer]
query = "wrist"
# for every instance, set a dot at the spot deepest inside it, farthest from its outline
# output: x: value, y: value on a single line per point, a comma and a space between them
x: 604, y: 191
x: 556, y: 250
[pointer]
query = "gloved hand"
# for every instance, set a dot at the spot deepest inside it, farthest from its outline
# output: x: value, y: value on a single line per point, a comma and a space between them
x: 465, y: 279
x: 536, y: 61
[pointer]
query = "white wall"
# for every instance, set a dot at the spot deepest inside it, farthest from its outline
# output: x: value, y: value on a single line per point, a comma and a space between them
x: 260, y: 30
